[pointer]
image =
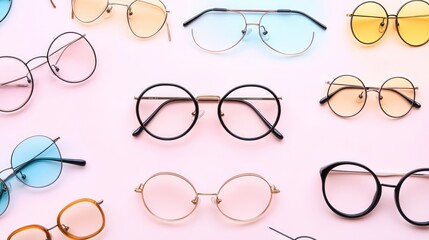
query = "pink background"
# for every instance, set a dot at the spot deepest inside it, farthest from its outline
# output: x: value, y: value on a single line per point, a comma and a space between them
x: 95, y: 121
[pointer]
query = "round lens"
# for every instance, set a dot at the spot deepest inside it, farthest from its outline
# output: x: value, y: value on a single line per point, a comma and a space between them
x: 146, y: 18
x: 369, y: 22
x: 414, y: 196
x: 413, y: 23
x: 249, y: 112
x: 4, y: 197
x: 88, y: 10
x: 218, y: 31
x: 33, y: 232
x: 71, y: 57
x: 36, y: 161
x: 244, y: 197
x: 167, y: 111
x: 350, y: 190
x: 81, y: 219
x: 397, y: 96
x: 346, y: 96
x: 16, y: 84
x: 169, y: 196
x: 4, y: 8
x: 287, y: 33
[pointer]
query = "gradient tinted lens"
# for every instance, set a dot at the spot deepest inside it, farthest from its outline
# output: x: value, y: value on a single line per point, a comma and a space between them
x: 397, y: 96
x: 350, y: 189
x: 347, y: 96
x: 167, y: 111
x: 88, y: 10
x: 36, y: 161
x: 218, y: 31
x: 4, y: 197
x: 30, y: 233
x: 414, y: 196
x: 16, y: 84
x: 146, y: 18
x: 413, y: 22
x: 244, y: 198
x: 249, y: 112
x: 288, y: 33
x: 4, y: 8
x: 71, y: 57
x: 81, y: 219
x: 169, y: 197
x: 369, y: 22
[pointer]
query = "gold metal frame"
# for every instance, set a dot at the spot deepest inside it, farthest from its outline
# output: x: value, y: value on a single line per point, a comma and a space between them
x: 63, y: 228
x: 273, y: 190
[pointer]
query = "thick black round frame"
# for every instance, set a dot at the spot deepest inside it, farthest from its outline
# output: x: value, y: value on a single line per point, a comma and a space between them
x: 324, y: 171
x: 196, y: 113
x: 52, y: 67
x: 388, y: 16
x: 412, y: 101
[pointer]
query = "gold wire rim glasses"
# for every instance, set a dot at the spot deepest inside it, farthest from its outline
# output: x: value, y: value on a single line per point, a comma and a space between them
x: 63, y: 228
x: 109, y: 6
x: 246, y: 24
x: 385, y: 21
x: 366, y: 89
x: 195, y: 201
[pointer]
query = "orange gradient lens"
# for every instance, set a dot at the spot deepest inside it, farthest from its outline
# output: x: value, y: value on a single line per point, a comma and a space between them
x: 146, y: 18
x: 346, y: 96
x: 413, y: 23
x: 369, y: 22
x: 89, y: 10
x: 397, y: 96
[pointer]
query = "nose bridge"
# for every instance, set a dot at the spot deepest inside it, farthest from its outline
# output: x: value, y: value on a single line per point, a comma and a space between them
x: 388, y: 185
x: 373, y: 89
x: 206, y: 194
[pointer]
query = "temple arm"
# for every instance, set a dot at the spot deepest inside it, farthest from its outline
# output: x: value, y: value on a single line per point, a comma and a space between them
x: 346, y: 86
x: 278, y: 10
x: 176, y: 100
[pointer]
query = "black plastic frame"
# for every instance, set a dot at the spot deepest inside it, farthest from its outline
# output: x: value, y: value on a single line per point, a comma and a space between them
x: 15, y: 170
x: 143, y: 124
x: 387, y: 17
x: 412, y: 101
x: 324, y: 171
x: 30, y: 76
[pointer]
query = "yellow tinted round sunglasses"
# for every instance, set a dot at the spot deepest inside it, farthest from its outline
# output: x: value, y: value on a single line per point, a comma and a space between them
x: 369, y: 22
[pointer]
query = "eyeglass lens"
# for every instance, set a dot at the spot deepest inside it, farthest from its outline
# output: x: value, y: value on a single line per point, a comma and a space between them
x: 369, y: 22
x: 170, y: 197
x: 288, y: 33
x: 145, y: 18
x: 4, y: 8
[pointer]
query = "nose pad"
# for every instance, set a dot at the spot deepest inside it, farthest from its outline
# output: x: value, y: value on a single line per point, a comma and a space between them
x: 264, y: 33
x: 108, y: 10
x: 200, y: 115
x: 246, y: 33
x: 359, y: 99
x: 379, y: 97
x: 195, y: 200
x: 216, y: 200
x: 130, y: 11
x: 382, y: 27
x: 8, y: 185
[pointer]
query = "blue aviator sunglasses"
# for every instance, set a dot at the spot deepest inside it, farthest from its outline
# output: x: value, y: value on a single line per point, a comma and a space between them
x: 5, y: 6
x: 37, y: 163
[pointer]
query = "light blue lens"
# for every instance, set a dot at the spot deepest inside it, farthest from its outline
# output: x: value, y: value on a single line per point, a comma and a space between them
x: 4, y: 8
x: 4, y: 197
x: 36, y: 161
x: 288, y: 33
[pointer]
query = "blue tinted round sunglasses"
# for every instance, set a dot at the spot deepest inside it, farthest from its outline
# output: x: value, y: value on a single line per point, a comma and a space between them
x: 37, y: 163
